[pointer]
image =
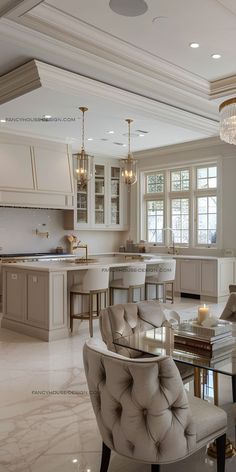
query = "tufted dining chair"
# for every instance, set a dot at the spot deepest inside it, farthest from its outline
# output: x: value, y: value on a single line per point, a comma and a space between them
x: 143, y: 411
x: 124, y: 320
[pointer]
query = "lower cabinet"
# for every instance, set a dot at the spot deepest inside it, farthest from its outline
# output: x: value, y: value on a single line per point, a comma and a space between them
x: 205, y: 277
x: 35, y: 302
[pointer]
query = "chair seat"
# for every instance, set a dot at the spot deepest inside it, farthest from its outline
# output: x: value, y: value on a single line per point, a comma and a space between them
x: 154, y: 280
x: 118, y: 283
x: 208, y: 418
x: 80, y: 290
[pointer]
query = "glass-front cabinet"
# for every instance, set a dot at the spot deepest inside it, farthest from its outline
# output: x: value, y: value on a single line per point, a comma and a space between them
x: 115, y: 195
x: 102, y: 203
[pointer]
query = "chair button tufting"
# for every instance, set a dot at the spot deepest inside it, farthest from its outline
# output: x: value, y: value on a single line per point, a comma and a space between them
x: 145, y: 412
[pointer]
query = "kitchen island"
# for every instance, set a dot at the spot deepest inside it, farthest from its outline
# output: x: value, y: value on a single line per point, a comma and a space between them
x: 36, y: 294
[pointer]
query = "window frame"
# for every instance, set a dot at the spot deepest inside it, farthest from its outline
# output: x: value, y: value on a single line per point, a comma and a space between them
x: 191, y: 194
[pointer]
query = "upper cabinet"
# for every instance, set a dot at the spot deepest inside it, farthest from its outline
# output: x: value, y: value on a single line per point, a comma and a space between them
x: 35, y: 173
x: 103, y: 203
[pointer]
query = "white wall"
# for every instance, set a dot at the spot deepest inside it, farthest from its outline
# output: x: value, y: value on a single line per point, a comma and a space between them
x: 18, y: 225
x: 193, y: 153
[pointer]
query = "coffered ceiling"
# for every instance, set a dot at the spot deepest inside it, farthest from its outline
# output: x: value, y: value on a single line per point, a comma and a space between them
x: 139, y: 67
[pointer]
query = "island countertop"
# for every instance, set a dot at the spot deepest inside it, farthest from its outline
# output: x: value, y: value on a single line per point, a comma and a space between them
x: 109, y: 261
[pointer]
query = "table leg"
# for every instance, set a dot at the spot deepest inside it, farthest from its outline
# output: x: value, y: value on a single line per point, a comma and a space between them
x: 197, y: 382
x: 215, y: 388
x: 234, y: 387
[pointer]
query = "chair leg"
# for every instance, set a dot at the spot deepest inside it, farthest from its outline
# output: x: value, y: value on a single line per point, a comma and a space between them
x: 130, y: 295
x: 91, y: 315
x: 155, y: 468
x: 172, y: 292
x: 71, y: 312
x: 106, y: 454
x: 146, y: 291
x: 164, y: 293
x: 220, y: 448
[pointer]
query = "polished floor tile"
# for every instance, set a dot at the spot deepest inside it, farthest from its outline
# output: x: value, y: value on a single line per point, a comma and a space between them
x: 46, y: 419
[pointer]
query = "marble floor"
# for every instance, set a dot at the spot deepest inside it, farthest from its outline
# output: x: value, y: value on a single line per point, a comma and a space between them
x: 46, y: 419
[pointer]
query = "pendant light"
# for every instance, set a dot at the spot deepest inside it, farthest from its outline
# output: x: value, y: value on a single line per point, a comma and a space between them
x: 227, y: 111
x: 83, y: 162
x: 129, y: 165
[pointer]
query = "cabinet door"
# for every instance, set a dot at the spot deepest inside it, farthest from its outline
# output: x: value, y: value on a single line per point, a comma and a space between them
x: 16, y: 167
x: 14, y: 292
x: 100, y: 195
x: 190, y: 276
x: 209, y: 278
x: 37, y: 299
x: 115, y: 187
x: 82, y: 213
x: 53, y: 170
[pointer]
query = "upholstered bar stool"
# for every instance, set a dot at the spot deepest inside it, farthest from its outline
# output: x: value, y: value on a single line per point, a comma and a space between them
x: 131, y: 278
x: 161, y: 275
x: 95, y: 283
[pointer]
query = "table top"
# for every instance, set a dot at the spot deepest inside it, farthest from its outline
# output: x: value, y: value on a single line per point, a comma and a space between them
x: 160, y: 342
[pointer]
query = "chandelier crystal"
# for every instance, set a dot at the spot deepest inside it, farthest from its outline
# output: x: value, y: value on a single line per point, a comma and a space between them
x: 83, y: 162
x: 129, y: 165
x: 227, y: 111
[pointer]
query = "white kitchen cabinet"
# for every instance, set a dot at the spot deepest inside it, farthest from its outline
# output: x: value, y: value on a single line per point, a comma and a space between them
x: 102, y: 204
x: 35, y: 173
x: 209, y: 278
x: 190, y: 276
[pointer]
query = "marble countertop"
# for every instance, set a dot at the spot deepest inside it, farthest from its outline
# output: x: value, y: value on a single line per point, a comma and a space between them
x: 167, y: 256
x: 106, y: 260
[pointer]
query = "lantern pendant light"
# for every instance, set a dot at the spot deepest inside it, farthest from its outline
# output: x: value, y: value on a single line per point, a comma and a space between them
x: 83, y: 162
x: 129, y: 165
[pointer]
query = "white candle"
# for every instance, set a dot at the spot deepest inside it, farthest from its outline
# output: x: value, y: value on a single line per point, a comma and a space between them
x: 203, y: 313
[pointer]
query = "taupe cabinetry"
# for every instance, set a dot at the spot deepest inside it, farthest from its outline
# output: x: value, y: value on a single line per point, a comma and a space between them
x: 209, y: 278
x: 35, y: 302
x: 35, y: 173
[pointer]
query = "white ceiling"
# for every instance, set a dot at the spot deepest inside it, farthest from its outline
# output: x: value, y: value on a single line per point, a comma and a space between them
x: 212, y: 23
x: 102, y: 116
x: 146, y: 55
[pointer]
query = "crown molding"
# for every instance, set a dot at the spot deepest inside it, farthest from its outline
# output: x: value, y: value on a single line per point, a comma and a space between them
x: 223, y: 87
x: 185, y: 147
x: 111, y: 72
x: 15, y: 8
x: 18, y: 82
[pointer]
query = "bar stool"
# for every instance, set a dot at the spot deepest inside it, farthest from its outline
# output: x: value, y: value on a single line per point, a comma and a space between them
x: 132, y: 277
x: 95, y: 282
x: 162, y: 275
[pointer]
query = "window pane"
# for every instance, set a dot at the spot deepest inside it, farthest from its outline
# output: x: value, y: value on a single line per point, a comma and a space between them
x: 155, y: 183
x: 206, y: 220
x: 180, y: 219
x: 155, y: 221
x: 180, y: 180
x: 207, y: 177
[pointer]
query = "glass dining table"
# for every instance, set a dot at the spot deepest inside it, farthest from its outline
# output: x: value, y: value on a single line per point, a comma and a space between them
x: 161, y: 342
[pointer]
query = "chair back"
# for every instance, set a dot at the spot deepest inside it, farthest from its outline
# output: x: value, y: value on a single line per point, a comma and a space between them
x: 96, y: 279
x: 134, y: 275
x: 124, y: 320
x: 141, y: 407
x: 163, y: 272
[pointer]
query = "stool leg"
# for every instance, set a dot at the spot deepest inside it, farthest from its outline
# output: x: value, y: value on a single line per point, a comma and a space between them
x: 172, y: 292
x: 71, y: 311
x: 111, y: 295
x: 146, y: 291
x: 91, y: 315
x: 157, y: 297
x: 130, y: 295
x: 164, y: 293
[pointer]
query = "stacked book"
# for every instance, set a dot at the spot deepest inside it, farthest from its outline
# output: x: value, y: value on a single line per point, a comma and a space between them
x: 206, y: 341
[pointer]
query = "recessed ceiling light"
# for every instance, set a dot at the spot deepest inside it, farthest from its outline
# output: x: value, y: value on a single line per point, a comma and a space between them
x: 75, y: 461
x: 141, y: 134
x: 47, y: 116
x: 3, y: 120
x: 194, y: 45
x: 216, y: 56
x: 90, y: 139
x: 130, y: 8
x: 123, y: 145
x: 110, y: 132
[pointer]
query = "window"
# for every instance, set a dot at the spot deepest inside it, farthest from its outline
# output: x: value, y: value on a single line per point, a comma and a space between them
x: 155, y: 221
x: 186, y: 201
x: 180, y: 220
x: 179, y: 180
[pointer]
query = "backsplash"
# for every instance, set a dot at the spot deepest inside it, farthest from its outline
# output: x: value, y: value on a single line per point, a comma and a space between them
x: 18, y: 232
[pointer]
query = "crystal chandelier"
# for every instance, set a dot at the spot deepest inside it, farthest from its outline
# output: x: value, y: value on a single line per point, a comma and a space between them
x: 227, y: 111
x: 129, y: 165
x: 83, y: 162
